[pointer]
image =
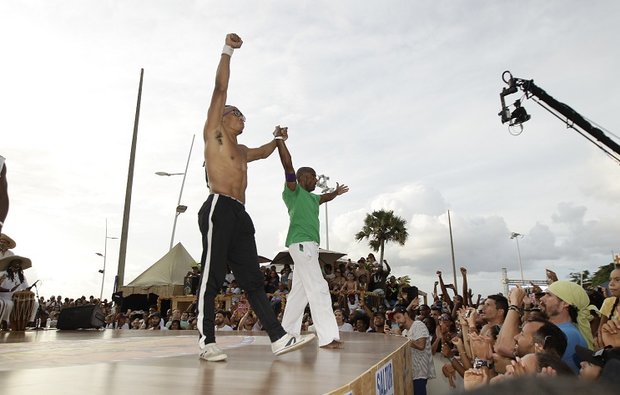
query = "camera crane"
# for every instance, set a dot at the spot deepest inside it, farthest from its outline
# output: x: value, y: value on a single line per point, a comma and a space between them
x: 570, y: 117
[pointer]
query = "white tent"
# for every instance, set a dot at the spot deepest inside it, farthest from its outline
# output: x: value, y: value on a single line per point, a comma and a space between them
x: 165, y: 277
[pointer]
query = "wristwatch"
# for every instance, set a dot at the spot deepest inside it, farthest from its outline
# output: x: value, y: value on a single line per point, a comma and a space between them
x: 479, y: 363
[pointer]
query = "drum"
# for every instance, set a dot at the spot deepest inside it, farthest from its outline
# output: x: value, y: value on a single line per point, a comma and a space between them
x: 23, y: 308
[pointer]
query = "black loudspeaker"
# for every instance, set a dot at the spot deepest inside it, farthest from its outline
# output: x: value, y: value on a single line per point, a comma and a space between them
x: 81, y: 317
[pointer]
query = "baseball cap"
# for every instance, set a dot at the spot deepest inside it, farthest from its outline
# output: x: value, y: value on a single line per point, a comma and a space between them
x: 599, y: 357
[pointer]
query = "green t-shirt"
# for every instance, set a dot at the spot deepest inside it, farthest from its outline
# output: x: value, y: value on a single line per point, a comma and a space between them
x: 303, y: 211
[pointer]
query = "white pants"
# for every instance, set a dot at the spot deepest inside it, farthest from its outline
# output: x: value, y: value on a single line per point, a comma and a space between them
x: 309, y: 286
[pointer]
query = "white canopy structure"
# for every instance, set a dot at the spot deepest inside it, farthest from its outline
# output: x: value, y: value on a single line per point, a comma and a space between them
x: 165, y: 277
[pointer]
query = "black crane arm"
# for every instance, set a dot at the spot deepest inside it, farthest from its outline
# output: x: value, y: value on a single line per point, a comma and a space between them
x: 572, y: 118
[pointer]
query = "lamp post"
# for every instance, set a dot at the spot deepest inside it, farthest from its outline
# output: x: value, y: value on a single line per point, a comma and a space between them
x: 516, y: 236
x: 322, y: 183
x: 104, y: 255
x: 180, y: 208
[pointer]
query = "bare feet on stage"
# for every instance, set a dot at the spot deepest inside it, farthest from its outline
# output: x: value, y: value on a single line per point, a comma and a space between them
x: 335, y: 344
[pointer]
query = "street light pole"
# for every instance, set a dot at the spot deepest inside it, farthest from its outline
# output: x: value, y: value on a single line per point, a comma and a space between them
x: 180, y: 208
x: 516, y: 236
x: 105, y: 255
x: 322, y: 183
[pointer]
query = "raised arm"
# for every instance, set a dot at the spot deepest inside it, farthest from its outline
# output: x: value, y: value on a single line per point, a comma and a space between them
x: 505, y: 343
x: 281, y: 134
x: 465, y: 289
x: 218, y: 100
x: 340, y: 189
x: 389, y: 269
x: 444, y: 291
x: 262, y: 152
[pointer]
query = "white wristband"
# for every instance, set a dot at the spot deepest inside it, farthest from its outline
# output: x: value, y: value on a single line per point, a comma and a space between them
x: 227, y: 50
x: 278, y: 138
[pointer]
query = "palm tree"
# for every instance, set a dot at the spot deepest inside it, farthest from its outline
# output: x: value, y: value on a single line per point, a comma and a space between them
x: 582, y: 278
x: 381, y: 227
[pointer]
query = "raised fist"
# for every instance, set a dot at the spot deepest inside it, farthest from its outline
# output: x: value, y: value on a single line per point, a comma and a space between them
x: 233, y: 40
x: 516, y: 296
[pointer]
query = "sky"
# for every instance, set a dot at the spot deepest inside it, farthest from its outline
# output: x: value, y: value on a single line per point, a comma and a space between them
x: 399, y: 100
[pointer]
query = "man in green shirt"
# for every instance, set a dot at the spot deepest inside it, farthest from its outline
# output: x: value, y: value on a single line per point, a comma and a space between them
x: 302, y: 240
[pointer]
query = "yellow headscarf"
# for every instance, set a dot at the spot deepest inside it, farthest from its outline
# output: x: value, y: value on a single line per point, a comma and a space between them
x: 575, y: 295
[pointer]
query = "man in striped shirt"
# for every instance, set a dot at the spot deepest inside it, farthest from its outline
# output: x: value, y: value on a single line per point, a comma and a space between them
x: 419, y: 341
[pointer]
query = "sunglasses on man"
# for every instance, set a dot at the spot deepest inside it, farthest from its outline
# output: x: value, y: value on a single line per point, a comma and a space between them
x: 235, y: 112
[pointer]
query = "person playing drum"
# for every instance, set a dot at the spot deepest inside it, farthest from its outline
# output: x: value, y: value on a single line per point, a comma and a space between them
x: 11, y: 281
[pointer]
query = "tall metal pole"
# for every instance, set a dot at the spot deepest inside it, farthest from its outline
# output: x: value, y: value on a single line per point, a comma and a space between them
x: 120, y: 277
x: 322, y: 183
x: 105, y: 257
x: 326, y: 227
x: 176, y: 211
x: 516, y: 236
x: 453, y: 261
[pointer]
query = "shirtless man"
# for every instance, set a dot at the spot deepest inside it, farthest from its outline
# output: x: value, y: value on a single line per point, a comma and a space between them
x: 227, y: 229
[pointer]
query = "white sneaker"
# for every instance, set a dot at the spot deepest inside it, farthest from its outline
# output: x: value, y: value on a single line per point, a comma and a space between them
x: 213, y: 353
x: 288, y: 343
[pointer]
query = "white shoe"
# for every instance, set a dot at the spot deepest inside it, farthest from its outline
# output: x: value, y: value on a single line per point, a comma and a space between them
x: 213, y: 353
x: 288, y: 343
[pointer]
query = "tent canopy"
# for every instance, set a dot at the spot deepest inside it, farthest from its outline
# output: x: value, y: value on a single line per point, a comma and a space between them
x: 165, y: 277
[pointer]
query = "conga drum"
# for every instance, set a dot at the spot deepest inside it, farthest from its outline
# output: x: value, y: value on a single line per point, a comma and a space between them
x: 23, y: 308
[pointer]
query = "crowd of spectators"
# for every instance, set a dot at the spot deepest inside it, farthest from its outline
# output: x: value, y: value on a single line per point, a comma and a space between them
x: 564, y: 330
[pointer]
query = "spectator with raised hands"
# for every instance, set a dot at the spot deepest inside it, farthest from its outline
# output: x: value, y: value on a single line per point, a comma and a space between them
x: 444, y: 297
x: 505, y: 344
x: 249, y: 322
x: 467, y: 292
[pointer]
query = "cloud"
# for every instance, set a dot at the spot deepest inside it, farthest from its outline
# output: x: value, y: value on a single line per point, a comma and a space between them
x: 400, y: 103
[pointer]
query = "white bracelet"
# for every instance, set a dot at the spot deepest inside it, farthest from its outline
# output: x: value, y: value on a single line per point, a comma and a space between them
x: 227, y: 50
x: 278, y: 138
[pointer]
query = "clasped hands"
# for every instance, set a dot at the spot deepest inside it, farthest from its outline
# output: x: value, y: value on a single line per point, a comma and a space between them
x: 280, y: 133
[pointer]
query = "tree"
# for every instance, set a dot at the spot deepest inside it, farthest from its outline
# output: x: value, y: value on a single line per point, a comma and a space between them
x: 582, y: 278
x: 381, y: 227
x: 601, y: 276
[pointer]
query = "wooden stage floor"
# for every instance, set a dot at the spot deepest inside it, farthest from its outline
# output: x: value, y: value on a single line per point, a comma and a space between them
x: 166, y: 362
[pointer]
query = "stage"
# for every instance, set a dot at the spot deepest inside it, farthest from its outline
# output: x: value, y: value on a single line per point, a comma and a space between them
x: 166, y: 362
